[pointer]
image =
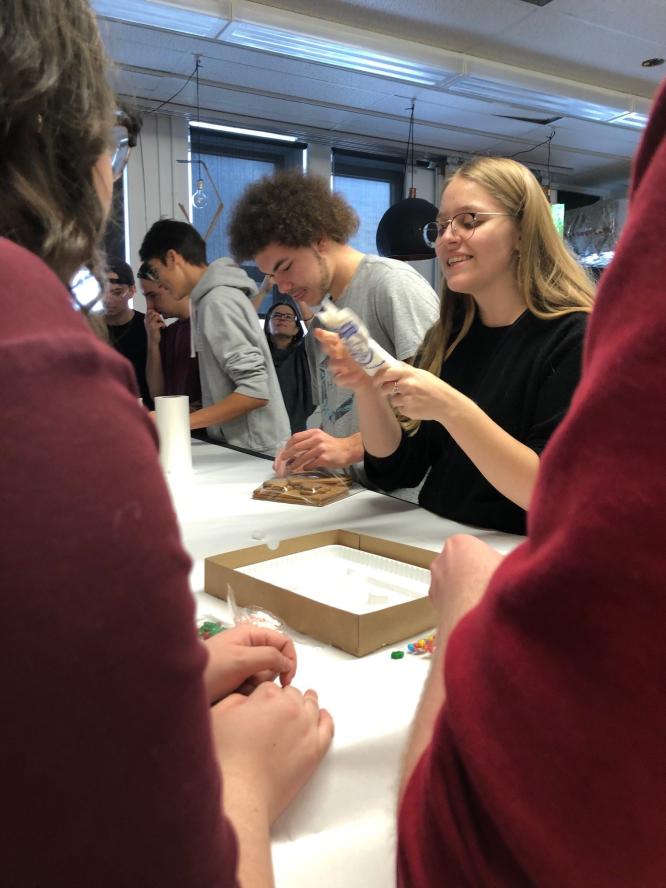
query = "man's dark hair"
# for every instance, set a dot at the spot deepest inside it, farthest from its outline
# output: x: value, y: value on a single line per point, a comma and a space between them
x: 168, y: 234
x: 144, y: 273
x: 123, y: 272
x: 291, y: 208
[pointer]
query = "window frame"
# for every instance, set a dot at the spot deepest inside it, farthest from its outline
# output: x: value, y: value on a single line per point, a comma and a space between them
x: 284, y: 155
x: 367, y: 167
x: 374, y: 167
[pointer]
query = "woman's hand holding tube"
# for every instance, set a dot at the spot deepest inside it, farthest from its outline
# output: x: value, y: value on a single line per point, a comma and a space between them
x: 508, y: 464
x: 380, y: 430
x: 418, y: 394
x: 344, y: 369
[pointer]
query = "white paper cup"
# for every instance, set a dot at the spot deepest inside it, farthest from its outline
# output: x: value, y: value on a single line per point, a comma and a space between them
x: 172, y: 413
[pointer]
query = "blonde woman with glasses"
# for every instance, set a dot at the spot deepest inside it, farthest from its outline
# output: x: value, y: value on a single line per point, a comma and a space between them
x: 495, y: 375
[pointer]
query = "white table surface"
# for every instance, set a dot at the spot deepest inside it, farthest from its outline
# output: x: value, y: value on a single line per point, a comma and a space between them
x: 340, y: 831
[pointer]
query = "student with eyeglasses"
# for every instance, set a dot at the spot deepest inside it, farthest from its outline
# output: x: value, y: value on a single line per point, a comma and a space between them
x: 284, y: 332
x: 495, y: 375
x: 119, y: 725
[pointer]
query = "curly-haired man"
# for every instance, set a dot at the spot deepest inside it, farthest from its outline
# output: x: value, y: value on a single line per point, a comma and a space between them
x: 297, y: 231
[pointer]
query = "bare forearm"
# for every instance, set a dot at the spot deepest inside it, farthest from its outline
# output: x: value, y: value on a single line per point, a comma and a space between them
x: 510, y: 466
x: 154, y: 372
x: 423, y: 725
x: 231, y: 407
x: 250, y: 822
x: 459, y: 578
x: 380, y: 430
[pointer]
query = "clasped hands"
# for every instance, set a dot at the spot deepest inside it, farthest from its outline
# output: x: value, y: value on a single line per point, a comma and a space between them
x: 268, y: 739
x: 241, y: 658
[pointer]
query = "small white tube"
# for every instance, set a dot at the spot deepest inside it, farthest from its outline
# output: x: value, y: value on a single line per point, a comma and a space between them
x: 353, y: 332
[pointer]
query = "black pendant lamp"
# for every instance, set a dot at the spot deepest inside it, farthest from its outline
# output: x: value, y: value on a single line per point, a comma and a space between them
x: 400, y: 230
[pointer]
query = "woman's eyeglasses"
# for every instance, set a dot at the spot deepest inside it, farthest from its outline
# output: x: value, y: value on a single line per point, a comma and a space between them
x: 463, y: 225
x: 279, y: 316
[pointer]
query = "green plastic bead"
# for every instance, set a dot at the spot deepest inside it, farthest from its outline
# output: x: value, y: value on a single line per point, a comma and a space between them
x: 397, y: 655
x: 207, y: 628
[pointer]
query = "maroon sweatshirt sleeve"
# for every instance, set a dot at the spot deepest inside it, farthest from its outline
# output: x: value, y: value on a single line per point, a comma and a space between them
x: 107, y: 770
x: 546, y: 765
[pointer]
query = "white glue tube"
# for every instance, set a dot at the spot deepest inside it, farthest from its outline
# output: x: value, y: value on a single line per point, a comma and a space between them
x: 353, y: 332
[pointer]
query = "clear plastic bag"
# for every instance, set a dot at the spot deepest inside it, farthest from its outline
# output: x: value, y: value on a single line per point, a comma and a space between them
x: 257, y: 616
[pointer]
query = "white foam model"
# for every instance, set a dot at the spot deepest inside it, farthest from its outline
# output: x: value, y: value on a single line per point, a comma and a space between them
x: 352, y: 580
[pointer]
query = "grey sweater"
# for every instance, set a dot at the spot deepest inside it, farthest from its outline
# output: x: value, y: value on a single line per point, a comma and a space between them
x: 234, y: 357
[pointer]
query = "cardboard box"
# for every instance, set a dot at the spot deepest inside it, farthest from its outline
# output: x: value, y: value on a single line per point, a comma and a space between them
x: 357, y: 634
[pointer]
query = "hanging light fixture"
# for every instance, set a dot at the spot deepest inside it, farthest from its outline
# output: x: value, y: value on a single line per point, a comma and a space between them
x: 199, y: 198
x: 400, y: 230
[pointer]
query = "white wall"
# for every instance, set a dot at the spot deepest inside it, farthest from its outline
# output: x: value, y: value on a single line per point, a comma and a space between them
x: 156, y: 183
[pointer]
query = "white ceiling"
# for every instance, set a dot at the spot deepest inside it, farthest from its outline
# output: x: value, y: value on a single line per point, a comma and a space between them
x: 586, y: 49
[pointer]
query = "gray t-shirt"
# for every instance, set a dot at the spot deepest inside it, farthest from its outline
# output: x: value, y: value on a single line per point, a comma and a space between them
x: 398, y: 306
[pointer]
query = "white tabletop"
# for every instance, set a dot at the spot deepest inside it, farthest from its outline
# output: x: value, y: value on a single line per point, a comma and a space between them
x: 340, y: 831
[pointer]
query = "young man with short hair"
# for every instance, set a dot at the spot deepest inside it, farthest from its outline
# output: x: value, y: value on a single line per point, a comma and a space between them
x: 297, y: 231
x: 172, y: 367
x: 125, y: 325
x: 241, y: 395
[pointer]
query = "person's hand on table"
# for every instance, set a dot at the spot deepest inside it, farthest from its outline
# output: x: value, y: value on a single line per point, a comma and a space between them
x: 245, y: 656
x: 459, y: 576
x: 268, y: 745
x: 315, y: 449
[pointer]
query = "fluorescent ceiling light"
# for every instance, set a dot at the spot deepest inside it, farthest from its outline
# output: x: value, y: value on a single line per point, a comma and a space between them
x: 632, y: 119
x: 199, y: 124
x: 200, y: 18
x: 314, y: 39
x: 488, y: 90
x: 330, y: 52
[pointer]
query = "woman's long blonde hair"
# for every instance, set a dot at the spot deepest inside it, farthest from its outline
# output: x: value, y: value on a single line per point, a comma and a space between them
x: 56, y: 115
x: 550, y: 280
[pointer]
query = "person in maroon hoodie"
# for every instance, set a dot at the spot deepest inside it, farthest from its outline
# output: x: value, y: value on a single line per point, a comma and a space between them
x: 113, y: 742
x: 537, y: 752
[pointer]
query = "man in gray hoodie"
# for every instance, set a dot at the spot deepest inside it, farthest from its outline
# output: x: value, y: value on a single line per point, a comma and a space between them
x: 242, y: 402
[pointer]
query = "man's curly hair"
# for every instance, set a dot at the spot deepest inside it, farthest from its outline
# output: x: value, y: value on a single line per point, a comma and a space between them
x: 291, y: 208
